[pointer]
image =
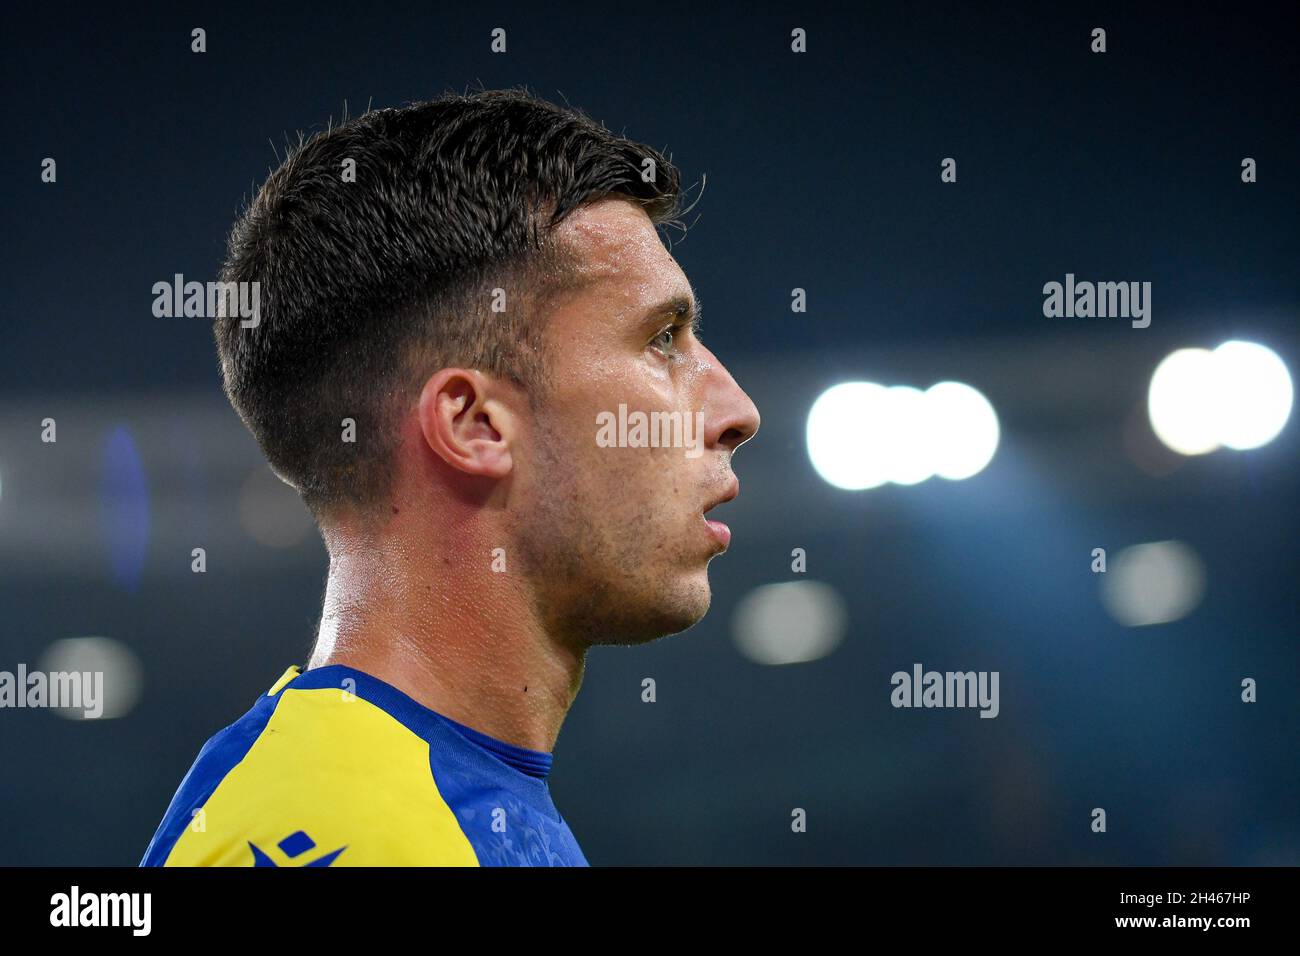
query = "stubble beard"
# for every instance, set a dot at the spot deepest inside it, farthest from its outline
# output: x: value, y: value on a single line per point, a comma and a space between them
x: 595, y: 580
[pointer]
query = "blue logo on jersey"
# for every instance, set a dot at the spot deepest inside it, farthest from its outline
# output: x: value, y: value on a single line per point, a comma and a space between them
x: 294, y: 845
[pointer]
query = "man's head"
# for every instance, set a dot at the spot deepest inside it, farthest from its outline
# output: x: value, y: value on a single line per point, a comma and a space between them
x: 453, y: 296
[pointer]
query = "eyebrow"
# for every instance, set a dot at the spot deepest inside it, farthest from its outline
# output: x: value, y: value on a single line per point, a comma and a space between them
x: 680, y: 306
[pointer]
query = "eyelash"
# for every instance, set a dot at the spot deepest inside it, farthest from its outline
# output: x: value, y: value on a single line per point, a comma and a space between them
x: 677, y: 328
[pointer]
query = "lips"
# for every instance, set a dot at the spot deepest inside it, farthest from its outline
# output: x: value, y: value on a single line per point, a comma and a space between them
x: 730, y: 492
x: 719, y: 531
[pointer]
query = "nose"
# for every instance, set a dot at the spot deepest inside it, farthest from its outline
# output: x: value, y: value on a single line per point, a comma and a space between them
x: 733, y: 418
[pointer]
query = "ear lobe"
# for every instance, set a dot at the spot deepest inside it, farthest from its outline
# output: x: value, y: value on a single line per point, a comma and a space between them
x: 464, y: 426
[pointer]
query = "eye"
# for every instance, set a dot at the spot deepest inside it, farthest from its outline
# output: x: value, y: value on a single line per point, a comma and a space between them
x: 666, y: 340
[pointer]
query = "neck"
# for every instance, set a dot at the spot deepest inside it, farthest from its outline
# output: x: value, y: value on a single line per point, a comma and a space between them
x: 448, y: 631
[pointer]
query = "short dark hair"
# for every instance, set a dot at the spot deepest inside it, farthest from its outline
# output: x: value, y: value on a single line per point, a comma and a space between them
x: 368, y: 286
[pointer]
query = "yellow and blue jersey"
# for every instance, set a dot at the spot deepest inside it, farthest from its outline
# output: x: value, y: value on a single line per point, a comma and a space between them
x: 334, y: 767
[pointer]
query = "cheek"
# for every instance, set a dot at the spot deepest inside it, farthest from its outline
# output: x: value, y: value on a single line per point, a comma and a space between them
x: 640, y: 483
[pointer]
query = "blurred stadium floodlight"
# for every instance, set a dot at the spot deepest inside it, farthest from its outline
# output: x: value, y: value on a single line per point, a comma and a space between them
x: 1238, y: 396
x: 861, y: 435
x: 1153, y: 583
x: 790, y: 622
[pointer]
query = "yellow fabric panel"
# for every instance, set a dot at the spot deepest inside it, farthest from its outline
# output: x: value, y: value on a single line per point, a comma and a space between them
x: 287, y: 676
x: 340, y: 769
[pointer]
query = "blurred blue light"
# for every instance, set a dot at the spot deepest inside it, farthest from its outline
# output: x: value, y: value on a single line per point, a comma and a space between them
x: 123, y: 508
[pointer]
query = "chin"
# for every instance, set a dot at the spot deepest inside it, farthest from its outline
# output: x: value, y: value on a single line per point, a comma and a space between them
x: 668, y: 612
x: 685, y: 606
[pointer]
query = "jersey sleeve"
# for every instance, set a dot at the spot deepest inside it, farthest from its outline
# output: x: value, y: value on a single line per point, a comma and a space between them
x: 322, y: 778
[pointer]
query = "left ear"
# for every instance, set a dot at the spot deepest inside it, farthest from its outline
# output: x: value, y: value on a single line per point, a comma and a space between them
x: 467, y: 418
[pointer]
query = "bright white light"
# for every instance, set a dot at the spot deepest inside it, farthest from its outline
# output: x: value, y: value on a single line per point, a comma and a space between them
x: 845, y: 435
x: 1181, y: 403
x: 1237, y: 396
x: 861, y: 435
x: 789, y: 623
x: 1254, y: 394
x: 1153, y: 583
x: 906, y: 445
x: 963, y: 430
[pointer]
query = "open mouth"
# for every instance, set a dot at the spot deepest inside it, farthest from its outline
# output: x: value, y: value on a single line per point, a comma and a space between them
x: 719, y: 531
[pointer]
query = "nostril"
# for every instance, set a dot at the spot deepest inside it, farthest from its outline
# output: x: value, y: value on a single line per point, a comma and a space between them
x: 731, y: 438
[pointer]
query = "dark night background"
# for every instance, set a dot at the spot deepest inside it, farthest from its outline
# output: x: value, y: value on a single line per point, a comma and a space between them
x: 822, y: 173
